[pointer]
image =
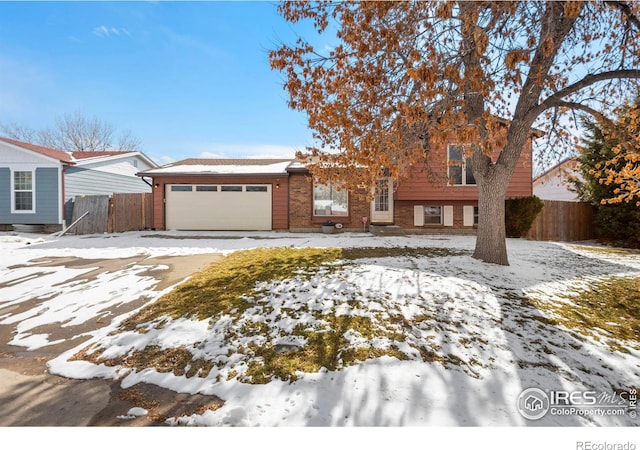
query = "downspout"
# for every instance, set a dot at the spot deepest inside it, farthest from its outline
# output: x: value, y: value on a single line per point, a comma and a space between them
x: 62, y: 195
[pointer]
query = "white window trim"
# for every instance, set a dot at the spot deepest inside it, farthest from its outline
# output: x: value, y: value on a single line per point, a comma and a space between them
x: 33, y: 192
x: 463, y: 167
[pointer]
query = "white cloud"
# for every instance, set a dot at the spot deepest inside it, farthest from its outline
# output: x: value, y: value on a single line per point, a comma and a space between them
x: 101, y: 31
x: 105, y: 31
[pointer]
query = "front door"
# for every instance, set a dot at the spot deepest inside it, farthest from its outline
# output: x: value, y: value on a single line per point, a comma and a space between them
x: 382, y: 205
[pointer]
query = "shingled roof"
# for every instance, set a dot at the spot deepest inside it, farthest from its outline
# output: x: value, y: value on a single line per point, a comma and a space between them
x: 64, y: 157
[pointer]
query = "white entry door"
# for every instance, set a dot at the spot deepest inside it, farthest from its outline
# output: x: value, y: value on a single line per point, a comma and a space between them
x: 382, y: 204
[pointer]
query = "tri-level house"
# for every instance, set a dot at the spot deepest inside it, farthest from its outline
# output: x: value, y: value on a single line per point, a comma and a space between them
x: 280, y: 194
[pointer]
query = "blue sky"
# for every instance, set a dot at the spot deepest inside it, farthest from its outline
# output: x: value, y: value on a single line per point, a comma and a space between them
x: 190, y: 79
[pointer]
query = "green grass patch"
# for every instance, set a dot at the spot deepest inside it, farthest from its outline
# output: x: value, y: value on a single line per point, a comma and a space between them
x: 231, y: 286
x: 223, y: 287
x: 179, y: 360
x: 608, y: 311
x: 386, y: 252
x: 326, y: 347
x: 602, y: 250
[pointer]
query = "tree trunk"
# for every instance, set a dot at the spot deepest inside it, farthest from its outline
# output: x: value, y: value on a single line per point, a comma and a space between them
x: 491, y: 246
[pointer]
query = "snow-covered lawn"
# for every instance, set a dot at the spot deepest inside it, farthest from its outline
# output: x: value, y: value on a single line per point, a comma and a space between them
x: 485, y: 342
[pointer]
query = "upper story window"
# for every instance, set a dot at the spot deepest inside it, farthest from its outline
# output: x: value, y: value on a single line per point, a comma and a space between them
x: 23, y: 191
x: 459, y: 167
x: 330, y: 200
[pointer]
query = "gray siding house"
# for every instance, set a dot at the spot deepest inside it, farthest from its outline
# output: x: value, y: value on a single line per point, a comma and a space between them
x: 38, y: 184
x: 103, y: 173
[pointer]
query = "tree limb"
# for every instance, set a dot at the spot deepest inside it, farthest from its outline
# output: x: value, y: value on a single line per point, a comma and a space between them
x: 589, y: 110
x: 626, y: 10
x: 555, y: 99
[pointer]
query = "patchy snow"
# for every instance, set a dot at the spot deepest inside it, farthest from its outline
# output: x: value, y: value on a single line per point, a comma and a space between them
x: 491, y: 345
x: 134, y: 413
x: 224, y: 169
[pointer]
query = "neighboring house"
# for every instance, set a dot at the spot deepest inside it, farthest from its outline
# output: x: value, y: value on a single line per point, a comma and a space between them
x: 37, y: 182
x: 554, y: 184
x: 246, y: 194
x: 103, y: 173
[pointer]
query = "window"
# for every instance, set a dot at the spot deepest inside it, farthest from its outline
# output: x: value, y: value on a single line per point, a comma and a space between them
x: 475, y: 215
x: 231, y: 188
x: 460, y: 172
x: 23, y: 191
x: 206, y: 188
x: 382, y: 196
x: 257, y: 189
x: 433, y: 215
x: 181, y: 189
x: 329, y: 200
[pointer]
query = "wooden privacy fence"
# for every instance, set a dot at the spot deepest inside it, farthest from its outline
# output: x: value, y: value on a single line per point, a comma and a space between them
x: 130, y: 212
x: 563, y: 221
x: 115, y: 214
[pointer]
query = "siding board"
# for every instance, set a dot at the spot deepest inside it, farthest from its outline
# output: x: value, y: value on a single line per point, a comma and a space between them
x: 431, y: 183
x: 82, y: 181
x: 47, y: 206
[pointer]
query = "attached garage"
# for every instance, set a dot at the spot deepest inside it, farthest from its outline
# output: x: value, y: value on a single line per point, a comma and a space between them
x: 221, y: 194
x: 218, y: 206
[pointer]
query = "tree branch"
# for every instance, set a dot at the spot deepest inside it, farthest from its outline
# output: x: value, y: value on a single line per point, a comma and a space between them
x: 589, y: 110
x: 555, y: 99
x: 626, y: 10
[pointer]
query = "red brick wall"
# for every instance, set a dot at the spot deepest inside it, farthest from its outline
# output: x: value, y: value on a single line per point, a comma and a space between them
x: 280, y: 204
x: 403, y: 213
x: 301, y: 216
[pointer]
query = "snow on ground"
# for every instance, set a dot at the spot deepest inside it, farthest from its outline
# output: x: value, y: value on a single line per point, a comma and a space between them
x: 489, y: 342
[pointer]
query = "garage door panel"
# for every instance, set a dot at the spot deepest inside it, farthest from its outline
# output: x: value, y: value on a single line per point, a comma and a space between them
x: 218, y: 207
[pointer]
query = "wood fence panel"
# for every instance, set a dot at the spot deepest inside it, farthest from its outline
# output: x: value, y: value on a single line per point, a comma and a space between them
x: 96, y: 220
x: 563, y: 221
x: 148, y: 211
x: 120, y: 213
x: 130, y: 212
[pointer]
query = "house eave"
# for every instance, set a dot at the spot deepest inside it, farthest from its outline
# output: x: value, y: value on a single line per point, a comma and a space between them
x: 208, y: 175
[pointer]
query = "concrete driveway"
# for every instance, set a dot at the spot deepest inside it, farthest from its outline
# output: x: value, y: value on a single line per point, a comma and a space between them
x: 30, y: 396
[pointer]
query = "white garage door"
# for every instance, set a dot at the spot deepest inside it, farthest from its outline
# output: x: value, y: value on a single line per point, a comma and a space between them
x: 218, y: 206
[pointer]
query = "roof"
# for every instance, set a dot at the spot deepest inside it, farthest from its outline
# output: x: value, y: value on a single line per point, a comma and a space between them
x: 195, y: 166
x: 554, y: 184
x: 64, y: 157
x: 568, y: 164
x: 91, y: 157
x: 83, y: 155
x: 77, y: 157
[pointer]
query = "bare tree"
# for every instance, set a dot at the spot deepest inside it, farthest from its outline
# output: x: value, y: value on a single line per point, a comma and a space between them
x: 75, y: 132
